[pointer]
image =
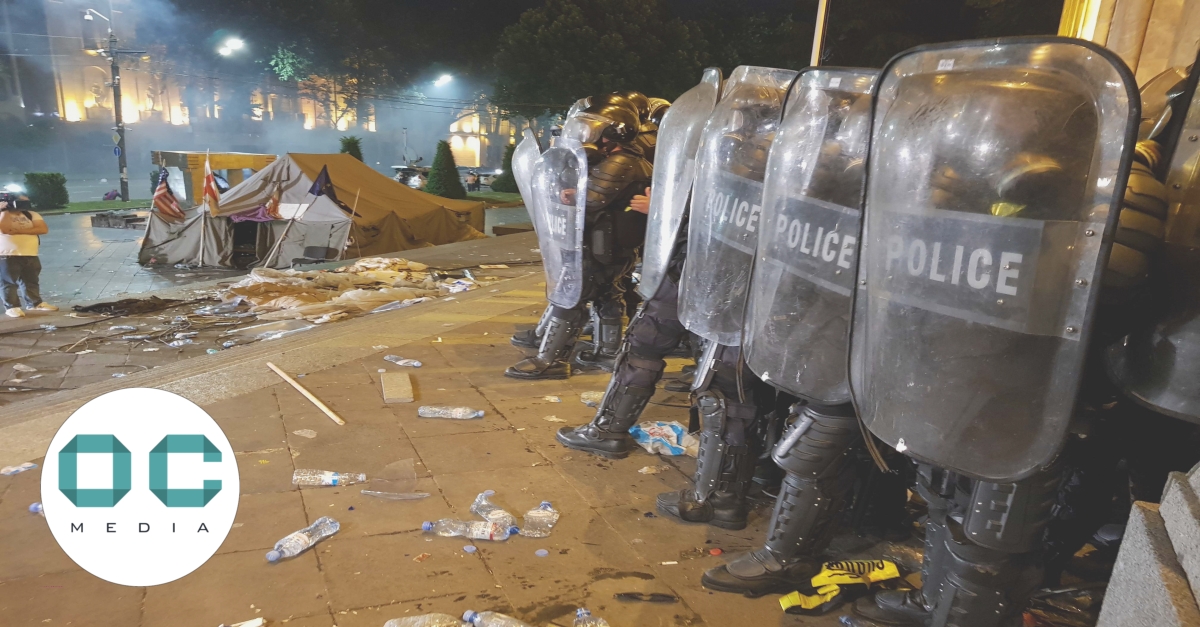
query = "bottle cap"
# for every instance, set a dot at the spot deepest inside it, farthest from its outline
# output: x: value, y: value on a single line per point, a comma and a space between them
x: 273, y: 556
x: 35, y: 508
x: 545, y: 505
x: 488, y: 492
x: 514, y: 530
x: 427, y: 526
x: 581, y: 612
x: 470, y: 616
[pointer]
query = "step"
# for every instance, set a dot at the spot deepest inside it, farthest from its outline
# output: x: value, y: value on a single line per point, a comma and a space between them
x: 1180, y: 510
x: 1148, y: 586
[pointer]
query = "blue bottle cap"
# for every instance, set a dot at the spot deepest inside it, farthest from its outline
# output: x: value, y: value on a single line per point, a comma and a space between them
x: 514, y: 530
x: 427, y: 526
x: 470, y: 548
x: 273, y: 556
x: 35, y: 508
x: 545, y: 505
x: 581, y: 612
x: 488, y: 492
x: 470, y: 616
x: 541, y: 552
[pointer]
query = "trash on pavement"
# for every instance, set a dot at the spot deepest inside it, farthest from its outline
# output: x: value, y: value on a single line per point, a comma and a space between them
x: 541, y: 553
x: 425, y: 620
x: 151, y: 350
x: 837, y: 583
x: 305, y: 433
x: 309, y: 395
x: 492, y: 619
x: 665, y: 438
x: 212, y: 351
x: 552, y: 419
x: 23, y: 368
x: 400, y: 361
x: 36, y: 508
x: 469, y: 548
x: 552, y: 399
x: 653, y: 470
x: 453, y: 413
x: 584, y: 618
x: 179, y: 343
x: 396, y: 496
x: 591, y: 399
x: 48, y: 327
x: 122, y: 327
x: 270, y: 330
x: 493, y: 266
x: 489, y: 511
x: 12, y: 470
x: 539, y: 521
x: 135, y: 338
x: 254, y: 622
x: 186, y: 335
x: 326, y: 478
x: 652, y: 597
x: 397, y: 387
x: 473, y: 529
x: 300, y: 541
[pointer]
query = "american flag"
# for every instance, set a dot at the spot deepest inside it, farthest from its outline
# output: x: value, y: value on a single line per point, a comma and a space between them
x: 211, y: 196
x: 164, y: 199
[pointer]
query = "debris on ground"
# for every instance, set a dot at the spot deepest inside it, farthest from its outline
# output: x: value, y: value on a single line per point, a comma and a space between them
x: 653, y: 470
x: 396, y: 496
x: 665, y: 438
x: 453, y: 413
x: 492, y: 619
x: 552, y: 419
x: 305, y: 433
x: 36, y: 508
x: 397, y: 387
x: 326, y: 478
x: 651, y: 597
x: 539, y: 521
x: 838, y: 583
x: 489, y: 511
x: 128, y: 306
x: 470, y: 548
x: 400, y: 361
x: 309, y: 395
x: 1074, y: 606
x: 300, y: 541
x: 23, y: 368
x: 49, y: 328
x: 12, y: 470
x: 422, y: 557
x: 591, y: 399
x: 256, y: 622
x: 552, y: 399
x: 541, y: 552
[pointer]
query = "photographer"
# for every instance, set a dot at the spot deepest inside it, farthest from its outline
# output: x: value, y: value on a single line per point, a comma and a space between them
x: 19, y: 264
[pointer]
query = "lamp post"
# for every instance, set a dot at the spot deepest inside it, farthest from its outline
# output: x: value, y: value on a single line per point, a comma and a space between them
x: 112, y: 53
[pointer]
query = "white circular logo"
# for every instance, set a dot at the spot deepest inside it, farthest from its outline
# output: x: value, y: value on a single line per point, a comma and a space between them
x: 140, y: 487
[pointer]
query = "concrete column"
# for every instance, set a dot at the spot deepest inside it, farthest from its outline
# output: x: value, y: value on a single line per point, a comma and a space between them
x: 1160, y: 38
x: 1128, y: 31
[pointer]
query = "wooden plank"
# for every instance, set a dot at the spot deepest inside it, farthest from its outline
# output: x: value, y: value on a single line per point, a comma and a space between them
x: 397, y: 387
x: 309, y: 395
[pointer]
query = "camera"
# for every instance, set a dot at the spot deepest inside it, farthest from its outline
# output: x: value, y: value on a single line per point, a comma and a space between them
x: 15, y: 202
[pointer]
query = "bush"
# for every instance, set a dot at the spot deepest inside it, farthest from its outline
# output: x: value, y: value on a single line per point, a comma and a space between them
x: 443, y: 175
x: 506, y: 182
x: 47, y: 190
x: 352, y: 146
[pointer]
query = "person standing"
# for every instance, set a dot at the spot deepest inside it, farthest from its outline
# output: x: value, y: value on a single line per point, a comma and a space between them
x: 20, y: 228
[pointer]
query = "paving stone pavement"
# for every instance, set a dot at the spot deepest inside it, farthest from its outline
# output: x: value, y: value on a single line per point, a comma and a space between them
x: 608, y: 539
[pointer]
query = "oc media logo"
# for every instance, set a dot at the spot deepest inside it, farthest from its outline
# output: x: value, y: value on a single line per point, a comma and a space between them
x: 140, y: 487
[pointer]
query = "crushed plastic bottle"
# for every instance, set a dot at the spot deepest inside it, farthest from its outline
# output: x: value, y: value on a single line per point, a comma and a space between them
x: 591, y: 399
x: 492, y: 619
x: 186, y: 335
x: 489, y: 511
x: 122, y: 327
x: 212, y: 351
x: 229, y: 344
x: 584, y: 618
x: 425, y: 620
x: 325, y: 477
x: 539, y: 521
x: 474, y: 529
x: 300, y: 541
x: 12, y: 470
x: 400, y: 361
x: 178, y: 343
x: 48, y: 327
x: 135, y: 337
x: 454, y: 413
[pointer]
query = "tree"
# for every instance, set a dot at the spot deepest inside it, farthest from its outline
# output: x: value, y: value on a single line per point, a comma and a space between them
x: 569, y: 49
x: 443, y: 175
x: 506, y: 182
x: 352, y: 146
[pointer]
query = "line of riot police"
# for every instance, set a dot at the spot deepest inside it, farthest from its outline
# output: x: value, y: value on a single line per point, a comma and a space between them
x: 972, y: 301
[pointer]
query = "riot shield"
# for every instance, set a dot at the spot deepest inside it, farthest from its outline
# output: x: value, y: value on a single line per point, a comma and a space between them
x: 1158, y: 365
x: 727, y: 202
x: 559, y: 193
x: 523, y: 160
x: 674, y: 170
x: 995, y: 173
x: 798, y: 312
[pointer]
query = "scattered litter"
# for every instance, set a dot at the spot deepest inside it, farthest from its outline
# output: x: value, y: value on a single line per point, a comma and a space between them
x: 380, y: 347
x: 84, y: 352
x: 299, y: 541
x: 494, y: 266
x: 665, y: 438
x: 652, y: 597
x: 422, y: 557
x: 123, y: 327
x: 263, y: 462
x: 381, y: 370
x: 489, y: 511
x: 23, y: 368
x: 306, y: 433
x: 12, y: 470
x: 436, y: 619
x: 187, y: 334
x: 591, y: 399
x: 539, y: 521
x: 229, y: 344
x: 470, y: 548
x: 179, y: 343
x: 552, y: 399
x: 119, y: 375
x: 552, y: 419
x: 257, y: 622
x: 326, y: 478
x: 473, y: 529
x: 133, y: 338
x: 36, y: 508
x: 668, y: 563
x: 48, y: 327
x: 449, y: 298
x: 397, y: 387
x: 837, y: 583
x: 309, y: 395
x: 492, y: 619
x: 396, y: 496
x: 454, y: 413
x: 649, y: 515
x: 437, y: 341
x: 400, y: 361
x: 715, y: 552
x: 271, y: 330
x: 151, y: 350
x: 654, y: 470
x: 541, y: 552
x: 350, y: 509
x: 212, y: 351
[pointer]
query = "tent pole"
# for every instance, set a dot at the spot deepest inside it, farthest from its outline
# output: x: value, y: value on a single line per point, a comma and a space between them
x: 357, y: 244
x: 278, y: 243
x: 203, y: 234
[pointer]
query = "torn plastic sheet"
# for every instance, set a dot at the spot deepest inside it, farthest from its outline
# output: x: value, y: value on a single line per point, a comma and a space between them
x: 665, y: 438
x: 399, y: 304
x: 271, y: 330
x: 396, y: 482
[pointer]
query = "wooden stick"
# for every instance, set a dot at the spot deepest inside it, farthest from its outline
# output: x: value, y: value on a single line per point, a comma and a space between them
x: 309, y: 395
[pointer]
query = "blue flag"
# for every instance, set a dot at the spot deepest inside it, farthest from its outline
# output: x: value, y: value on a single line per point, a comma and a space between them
x: 323, y: 186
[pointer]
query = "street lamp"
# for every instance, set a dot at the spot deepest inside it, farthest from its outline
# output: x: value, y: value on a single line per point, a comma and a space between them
x: 230, y: 46
x: 112, y: 53
x: 442, y: 80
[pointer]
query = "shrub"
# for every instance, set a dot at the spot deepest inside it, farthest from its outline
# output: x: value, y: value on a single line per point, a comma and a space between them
x: 47, y: 190
x: 506, y: 182
x: 352, y: 146
x: 443, y: 175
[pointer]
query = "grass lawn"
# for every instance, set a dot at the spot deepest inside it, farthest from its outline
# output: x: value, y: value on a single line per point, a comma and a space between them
x: 98, y: 205
x: 495, y: 198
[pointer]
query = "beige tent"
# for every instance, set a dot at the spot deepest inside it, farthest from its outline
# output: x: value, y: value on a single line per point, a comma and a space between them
x: 273, y: 213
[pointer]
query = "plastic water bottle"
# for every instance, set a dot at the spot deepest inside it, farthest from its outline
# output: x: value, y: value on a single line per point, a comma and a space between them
x: 454, y: 413
x: 475, y: 529
x: 539, y: 521
x: 400, y: 361
x: 300, y: 541
x: 492, y: 512
x: 324, y: 477
x: 584, y: 618
x: 492, y: 619
x: 425, y: 620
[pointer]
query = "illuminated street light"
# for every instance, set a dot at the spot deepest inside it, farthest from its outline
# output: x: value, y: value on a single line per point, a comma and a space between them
x: 230, y: 46
x: 225, y: 51
x: 444, y: 79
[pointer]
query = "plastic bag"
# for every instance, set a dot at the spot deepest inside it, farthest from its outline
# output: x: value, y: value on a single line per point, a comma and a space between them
x: 665, y: 438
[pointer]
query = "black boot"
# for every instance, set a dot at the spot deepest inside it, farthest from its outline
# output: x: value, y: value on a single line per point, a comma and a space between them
x: 814, y: 452
x: 607, y: 435
x: 532, y: 338
x: 603, y: 352
x: 683, y: 383
x: 549, y: 363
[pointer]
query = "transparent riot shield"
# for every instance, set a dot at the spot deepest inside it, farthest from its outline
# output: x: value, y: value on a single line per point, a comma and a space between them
x: 523, y: 160
x: 994, y: 178
x: 798, y: 312
x: 1158, y: 365
x: 726, y: 209
x: 559, y: 193
x: 674, y: 170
